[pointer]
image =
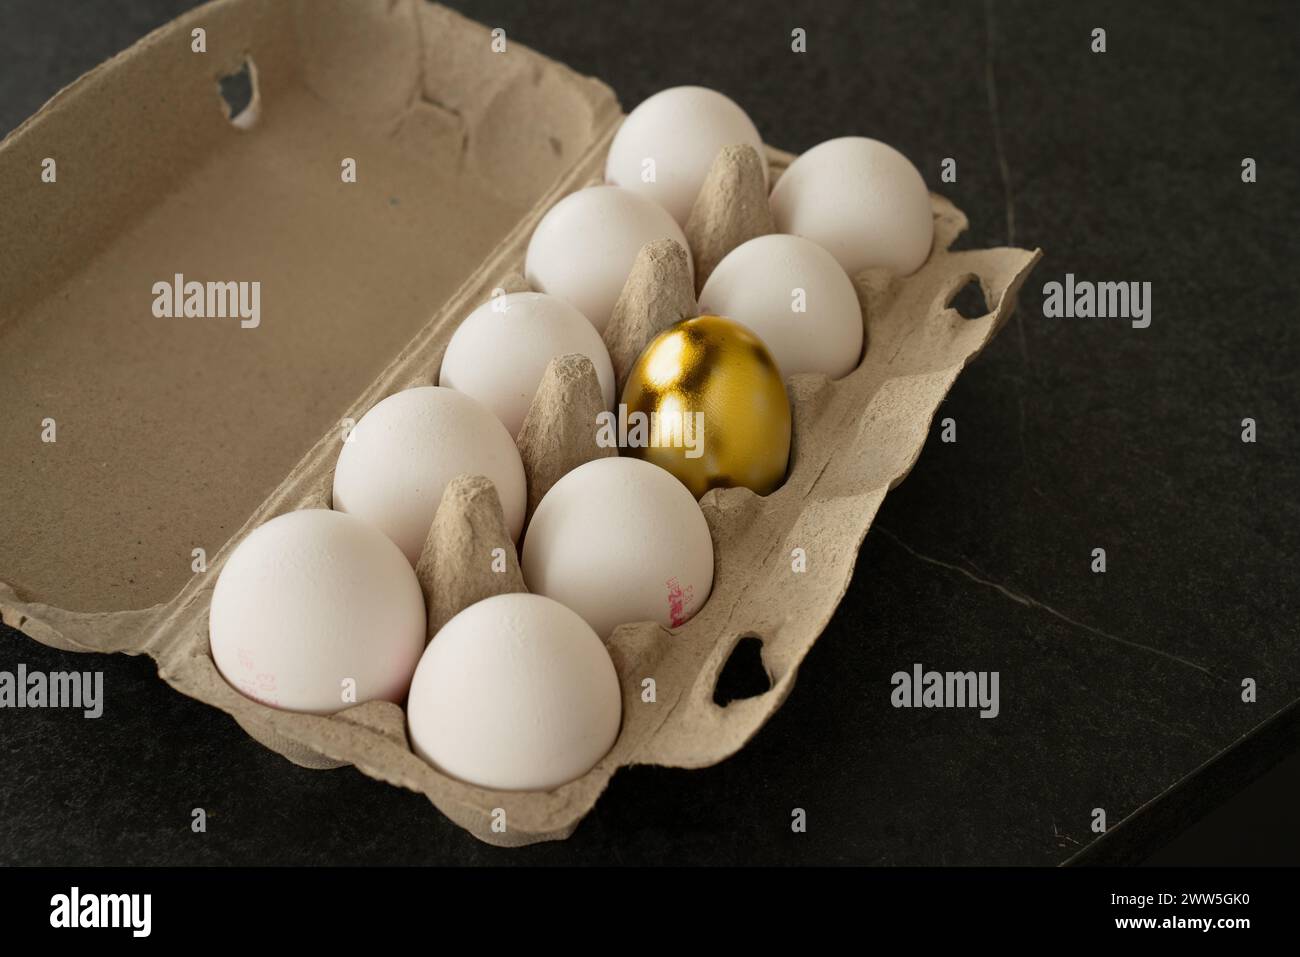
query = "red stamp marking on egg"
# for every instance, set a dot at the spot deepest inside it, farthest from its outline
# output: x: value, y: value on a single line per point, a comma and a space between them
x: 679, y: 600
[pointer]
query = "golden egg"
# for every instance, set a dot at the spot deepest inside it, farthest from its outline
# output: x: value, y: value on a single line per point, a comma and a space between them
x: 713, y: 409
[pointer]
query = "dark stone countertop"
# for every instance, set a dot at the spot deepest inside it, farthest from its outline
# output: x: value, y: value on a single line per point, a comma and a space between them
x: 1072, y: 434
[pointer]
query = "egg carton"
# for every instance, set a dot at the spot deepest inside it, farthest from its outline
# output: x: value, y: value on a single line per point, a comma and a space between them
x: 854, y: 438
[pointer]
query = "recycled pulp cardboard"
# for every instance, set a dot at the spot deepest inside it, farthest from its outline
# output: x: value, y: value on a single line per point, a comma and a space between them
x: 174, y: 435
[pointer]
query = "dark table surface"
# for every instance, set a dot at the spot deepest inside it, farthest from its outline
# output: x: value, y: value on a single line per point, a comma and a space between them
x: 1120, y: 690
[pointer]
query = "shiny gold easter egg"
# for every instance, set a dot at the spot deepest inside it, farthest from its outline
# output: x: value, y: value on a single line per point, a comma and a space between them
x: 705, y: 401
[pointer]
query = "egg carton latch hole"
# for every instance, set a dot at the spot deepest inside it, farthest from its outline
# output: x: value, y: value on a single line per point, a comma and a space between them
x: 240, y: 95
x: 744, y: 675
x: 969, y: 300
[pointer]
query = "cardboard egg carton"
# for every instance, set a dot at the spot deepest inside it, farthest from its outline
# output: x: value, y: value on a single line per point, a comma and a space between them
x: 174, y: 437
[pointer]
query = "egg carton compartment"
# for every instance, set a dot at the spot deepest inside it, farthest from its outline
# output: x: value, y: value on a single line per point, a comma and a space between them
x: 854, y: 438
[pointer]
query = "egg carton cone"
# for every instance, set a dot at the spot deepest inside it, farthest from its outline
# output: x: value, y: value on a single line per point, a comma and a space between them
x: 731, y: 209
x: 176, y: 437
x: 658, y: 292
x: 467, y: 538
x: 559, y: 431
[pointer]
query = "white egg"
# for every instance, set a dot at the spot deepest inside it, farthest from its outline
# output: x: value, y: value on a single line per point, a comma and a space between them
x: 585, y: 245
x: 516, y: 693
x: 620, y: 540
x: 314, y: 606
x: 500, y: 352
x: 399, y: 458
x: 862, y: 200
x: 676, y: 134
x: 795, y: 296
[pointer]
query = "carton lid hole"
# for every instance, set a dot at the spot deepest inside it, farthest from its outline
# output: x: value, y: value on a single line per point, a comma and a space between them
x: 968, y: 301
x: 744, y: 675
x: 239, y: 93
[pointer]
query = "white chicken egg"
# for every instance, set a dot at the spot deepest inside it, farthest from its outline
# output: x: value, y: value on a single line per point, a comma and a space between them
x: 583, y: 249
x: 620, y: 540
x: 515, y: 693
x: 500, y: 352
x: 316, y: 611
x: 862, y: 200
x: 398, y: 459
x: 795, y: 297
x: 665, y: 147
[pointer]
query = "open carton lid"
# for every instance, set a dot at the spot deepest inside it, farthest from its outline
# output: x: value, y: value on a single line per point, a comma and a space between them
x: 170, y: 432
